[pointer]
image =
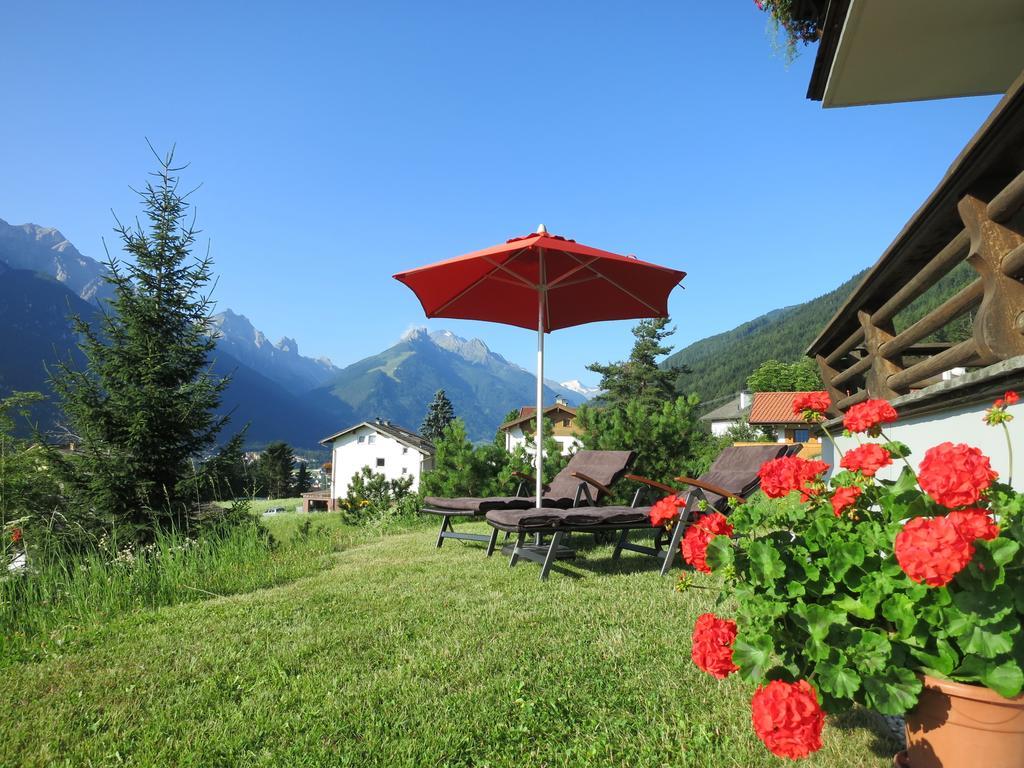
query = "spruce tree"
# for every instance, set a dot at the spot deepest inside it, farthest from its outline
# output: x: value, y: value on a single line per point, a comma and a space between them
x: 143, y: 410
x: 274, y: 469
x: 303, y: 482
x: 640, y: 378
x: 439, y: 415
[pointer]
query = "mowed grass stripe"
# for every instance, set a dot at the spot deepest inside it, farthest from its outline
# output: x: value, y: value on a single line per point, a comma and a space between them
x: 402, y: 654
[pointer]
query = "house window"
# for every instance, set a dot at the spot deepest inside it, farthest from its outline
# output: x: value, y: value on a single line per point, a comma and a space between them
x: 405, y: 470
x: 801, y: 435
x: 371, y: 439
x: 405, y: 450
x: 361, y: 439
x: 565, y: 423
x: 380, y: 462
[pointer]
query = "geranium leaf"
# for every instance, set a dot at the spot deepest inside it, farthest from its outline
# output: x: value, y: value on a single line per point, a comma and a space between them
x: 987, y: 643
x: 901, y: 451
x: 818, y: 618
x: 720, y: 553
x: 1007, y: 679
x: 837, y: 680
x: 971, y: 668
x: 752, y: 655
x: 842, y: 556
x: 1002, y: 550
x: 899, y: 609
x: 940, y: 663
x: 987, y: 607
x: 893, y: 693
x: 765, y: 564
x: 871, y: 650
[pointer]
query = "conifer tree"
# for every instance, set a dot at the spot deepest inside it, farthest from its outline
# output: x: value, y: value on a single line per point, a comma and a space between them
x: 439, y: 415
x: 639, y: 378
x: 303, y: 482
x: 274, y: 470
x: 143, y: 411
x: 456, y: 470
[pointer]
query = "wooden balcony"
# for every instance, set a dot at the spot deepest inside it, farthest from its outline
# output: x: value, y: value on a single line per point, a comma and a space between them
x: 975, y: 217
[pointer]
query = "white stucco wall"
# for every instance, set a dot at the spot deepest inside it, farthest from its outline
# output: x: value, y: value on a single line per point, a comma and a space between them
x: 349, y: 456
x: 721, y: 427
x: 958, y: 425
x: 514, y: 438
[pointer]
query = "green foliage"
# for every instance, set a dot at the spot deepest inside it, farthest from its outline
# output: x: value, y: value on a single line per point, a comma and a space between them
x: 370, y: 494
x: 639, y: 378
x: 274, y: 471
x: 439, y: 415
x: 774, y: 376
x: 455, y: 471
x: 824, y: 598
x: 303, y: 482
x: 144, y: 408
x: 29, y: 494
x: 665, y: 438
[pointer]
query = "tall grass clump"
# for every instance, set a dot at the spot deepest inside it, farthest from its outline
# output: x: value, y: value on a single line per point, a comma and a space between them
x: 59, y: 594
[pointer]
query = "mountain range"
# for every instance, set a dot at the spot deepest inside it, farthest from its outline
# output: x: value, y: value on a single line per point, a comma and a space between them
x: 279, y: 393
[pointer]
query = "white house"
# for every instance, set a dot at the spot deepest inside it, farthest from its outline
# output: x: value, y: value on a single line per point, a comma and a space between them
x: 385, y: 448
x: 725, y: 417
x: 523, y: 428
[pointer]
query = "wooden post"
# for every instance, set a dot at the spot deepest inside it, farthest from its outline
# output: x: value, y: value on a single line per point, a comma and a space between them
x: 835, y: 394
x: 876, y: 379
x: 999, y: 324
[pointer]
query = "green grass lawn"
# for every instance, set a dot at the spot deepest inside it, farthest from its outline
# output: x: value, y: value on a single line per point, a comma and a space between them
x: 399, y: 654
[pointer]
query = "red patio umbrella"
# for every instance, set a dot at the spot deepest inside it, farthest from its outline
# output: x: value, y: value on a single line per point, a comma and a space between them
x: 545, y: 282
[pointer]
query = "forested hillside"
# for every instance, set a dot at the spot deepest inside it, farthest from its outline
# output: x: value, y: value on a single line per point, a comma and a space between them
x: 718, y: 366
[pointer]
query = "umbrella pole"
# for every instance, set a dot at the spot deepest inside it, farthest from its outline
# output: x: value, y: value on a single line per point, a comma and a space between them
x: 540, y: 399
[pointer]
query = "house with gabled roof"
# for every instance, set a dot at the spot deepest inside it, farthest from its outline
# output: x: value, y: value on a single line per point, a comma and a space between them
x: 523, y: 427
x: 773, y: 413
x: 386, y: 448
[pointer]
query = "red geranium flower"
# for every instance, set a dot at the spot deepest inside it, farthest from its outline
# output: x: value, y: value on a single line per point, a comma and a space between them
x: 974, y: 524
x: 811, y: 406
x: 955, y: 475
x: 16, y: 535
x: 779, y: 477
x: 788, y: 718
x: 711, y: 649
x: 997, y: 413
x: 869, y: 416
x: 699, y: 535
x: 1011, y: 397
x: 866, y: 459
x: 666, y: 510
x: 845, y: 497
x: 932, y: 550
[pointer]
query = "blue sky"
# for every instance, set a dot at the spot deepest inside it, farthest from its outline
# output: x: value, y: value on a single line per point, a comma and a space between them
x: 338, y: 143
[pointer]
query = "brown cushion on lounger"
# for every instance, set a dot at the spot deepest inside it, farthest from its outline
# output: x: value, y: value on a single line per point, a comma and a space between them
x: 524, y: 519
x: 478, y: 506
x: 610, y: 515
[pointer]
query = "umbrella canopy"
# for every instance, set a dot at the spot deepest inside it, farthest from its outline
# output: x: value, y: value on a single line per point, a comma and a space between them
x: 545, y: 282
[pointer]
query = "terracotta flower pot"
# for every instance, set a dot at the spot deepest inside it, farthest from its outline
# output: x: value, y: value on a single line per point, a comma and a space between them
x: 955, y: 725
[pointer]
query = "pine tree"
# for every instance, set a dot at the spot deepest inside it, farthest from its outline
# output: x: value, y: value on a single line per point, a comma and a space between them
x: 639, y: 378
x: 143, y: 411
x: 456, y: 472
x: 274, y: 469
x: 439, y: 415
x: 303, y: 482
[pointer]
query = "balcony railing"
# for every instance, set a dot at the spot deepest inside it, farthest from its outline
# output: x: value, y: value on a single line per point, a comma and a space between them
x: 975, y: 215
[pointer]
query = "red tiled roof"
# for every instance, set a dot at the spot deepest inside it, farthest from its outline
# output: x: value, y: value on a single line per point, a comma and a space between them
x: 774, y: 408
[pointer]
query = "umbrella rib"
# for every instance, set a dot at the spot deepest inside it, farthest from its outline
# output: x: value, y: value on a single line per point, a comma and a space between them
x: 572, y: 271
x: 624, y: 290
x: 480, y: 279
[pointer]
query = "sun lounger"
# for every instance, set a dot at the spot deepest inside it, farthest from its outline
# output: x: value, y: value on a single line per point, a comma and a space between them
x: 585, y: 479
x: 733, y: 476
